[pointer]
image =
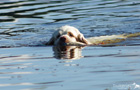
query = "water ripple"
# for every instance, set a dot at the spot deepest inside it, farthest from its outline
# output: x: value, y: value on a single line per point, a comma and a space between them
x: 102, y: 17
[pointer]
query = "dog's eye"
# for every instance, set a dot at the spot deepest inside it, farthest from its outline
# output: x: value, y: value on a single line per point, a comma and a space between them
x: 58, y: 36
x: 70, y: 34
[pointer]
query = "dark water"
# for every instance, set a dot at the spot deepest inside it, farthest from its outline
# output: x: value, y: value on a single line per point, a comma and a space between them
x: 26, y: 23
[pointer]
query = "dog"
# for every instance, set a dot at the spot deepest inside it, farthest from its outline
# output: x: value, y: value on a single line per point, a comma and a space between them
x: 68, y: 42
x: 69, y: 35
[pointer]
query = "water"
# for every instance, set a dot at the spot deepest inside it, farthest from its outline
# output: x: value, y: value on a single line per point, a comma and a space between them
x: 26, y: 64
x: 31, y: 22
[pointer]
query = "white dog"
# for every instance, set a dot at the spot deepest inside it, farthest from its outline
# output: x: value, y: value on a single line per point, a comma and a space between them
x: 68, y: 35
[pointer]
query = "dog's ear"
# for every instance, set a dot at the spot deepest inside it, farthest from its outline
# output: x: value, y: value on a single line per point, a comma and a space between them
x: 82, y: 39
x: 50, y: 42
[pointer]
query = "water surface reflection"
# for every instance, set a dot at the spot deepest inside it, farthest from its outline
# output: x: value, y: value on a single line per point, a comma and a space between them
x: 67, y: 52
x: 27, y: 23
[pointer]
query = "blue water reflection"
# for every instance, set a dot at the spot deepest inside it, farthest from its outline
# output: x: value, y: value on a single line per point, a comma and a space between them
x: 40, y: 17
x: 25, y: 64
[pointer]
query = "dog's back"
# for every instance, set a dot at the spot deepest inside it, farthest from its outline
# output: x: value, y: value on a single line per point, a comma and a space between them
x: 111, y: 39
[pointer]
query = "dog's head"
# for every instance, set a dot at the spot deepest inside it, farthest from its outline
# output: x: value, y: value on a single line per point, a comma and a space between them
x: 67, y: 35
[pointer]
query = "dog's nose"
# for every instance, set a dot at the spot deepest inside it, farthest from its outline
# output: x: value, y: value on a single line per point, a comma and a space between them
x: 63, y: 39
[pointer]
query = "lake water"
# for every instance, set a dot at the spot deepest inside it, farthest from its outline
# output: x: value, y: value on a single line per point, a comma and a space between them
x: 27, y: 64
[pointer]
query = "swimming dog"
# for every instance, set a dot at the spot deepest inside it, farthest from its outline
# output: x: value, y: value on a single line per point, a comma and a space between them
x: 69, y: 35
